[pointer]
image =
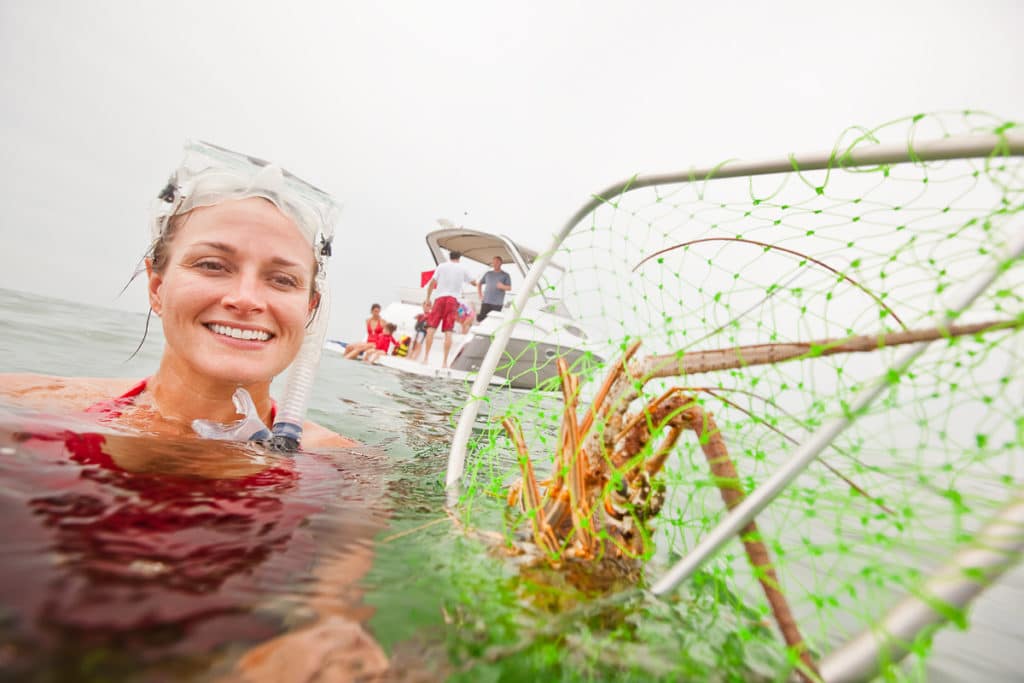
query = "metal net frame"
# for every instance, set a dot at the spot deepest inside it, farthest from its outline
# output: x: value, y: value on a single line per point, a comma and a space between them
x: 848, y: 323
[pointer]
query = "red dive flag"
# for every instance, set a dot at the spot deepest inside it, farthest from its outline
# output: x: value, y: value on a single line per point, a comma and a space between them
x: 425, y: 277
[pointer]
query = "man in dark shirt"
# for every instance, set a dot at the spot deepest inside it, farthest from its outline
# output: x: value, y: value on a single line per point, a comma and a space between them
x: 491, y: 288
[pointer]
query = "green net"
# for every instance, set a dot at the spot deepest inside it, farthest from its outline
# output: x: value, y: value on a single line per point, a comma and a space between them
x: 804, y: 256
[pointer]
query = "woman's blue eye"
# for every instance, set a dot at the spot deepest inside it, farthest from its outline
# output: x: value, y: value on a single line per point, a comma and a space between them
x: 286, y: 281
x: 210, y: 265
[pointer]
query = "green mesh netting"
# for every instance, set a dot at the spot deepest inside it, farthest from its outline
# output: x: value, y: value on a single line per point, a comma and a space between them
x: 788, y: 257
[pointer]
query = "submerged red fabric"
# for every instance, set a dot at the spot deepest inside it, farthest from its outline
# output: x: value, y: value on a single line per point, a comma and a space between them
x: 101, y: 555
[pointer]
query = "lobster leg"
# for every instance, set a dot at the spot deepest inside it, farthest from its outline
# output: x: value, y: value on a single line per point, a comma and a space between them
x: 724, y: 471
x: 597, y: 407
x: 532, y: 500
x: 575, y: 462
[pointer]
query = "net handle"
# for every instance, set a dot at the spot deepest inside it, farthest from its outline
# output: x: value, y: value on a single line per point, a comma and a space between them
x: 954, y: 147
x: 995, y: 550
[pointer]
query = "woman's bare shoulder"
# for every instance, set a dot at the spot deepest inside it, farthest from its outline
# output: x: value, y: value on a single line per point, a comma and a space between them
x: 41, y: 391
x: 316, y: 436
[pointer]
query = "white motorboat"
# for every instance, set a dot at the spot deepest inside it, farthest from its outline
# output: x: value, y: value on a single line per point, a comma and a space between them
x: 545, y: 332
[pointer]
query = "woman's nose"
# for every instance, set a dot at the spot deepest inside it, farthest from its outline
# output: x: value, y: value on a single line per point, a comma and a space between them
x: 245, y: 294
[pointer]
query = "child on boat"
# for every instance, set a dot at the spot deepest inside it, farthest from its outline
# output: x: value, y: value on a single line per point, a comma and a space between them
x: 382, y: 344
x: 465, y: 316
x: 421, y: 331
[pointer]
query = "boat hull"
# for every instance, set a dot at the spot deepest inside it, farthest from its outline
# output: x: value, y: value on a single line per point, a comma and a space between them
x: 526, y: 364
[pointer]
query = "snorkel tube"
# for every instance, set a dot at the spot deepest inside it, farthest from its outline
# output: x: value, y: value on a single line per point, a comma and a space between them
x: 209, y: 175
x: 291, y: 413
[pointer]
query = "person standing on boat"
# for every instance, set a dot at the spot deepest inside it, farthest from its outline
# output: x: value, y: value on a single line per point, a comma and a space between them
x: 492, y: 288
x: 447, y: 280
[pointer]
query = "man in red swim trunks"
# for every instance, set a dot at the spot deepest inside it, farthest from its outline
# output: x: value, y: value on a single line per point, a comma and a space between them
x: 447, y: 280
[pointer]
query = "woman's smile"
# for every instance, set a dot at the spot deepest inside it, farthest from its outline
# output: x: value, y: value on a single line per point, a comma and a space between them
x: 239, y: 334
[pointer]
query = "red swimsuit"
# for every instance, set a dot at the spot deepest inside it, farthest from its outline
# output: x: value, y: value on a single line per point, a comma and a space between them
x: 371, y: 333
x: 114, y: 407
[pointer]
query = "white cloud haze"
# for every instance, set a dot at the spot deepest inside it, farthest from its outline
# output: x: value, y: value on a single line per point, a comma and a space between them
x: 500, y: 116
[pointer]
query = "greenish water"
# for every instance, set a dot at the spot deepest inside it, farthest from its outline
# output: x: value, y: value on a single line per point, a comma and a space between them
x: 441, y: 602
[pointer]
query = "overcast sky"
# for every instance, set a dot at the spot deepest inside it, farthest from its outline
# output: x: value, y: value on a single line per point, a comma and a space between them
x: 500, y: 116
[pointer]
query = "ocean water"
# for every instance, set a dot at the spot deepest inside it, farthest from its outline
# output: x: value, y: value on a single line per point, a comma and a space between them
x: 348, y: 556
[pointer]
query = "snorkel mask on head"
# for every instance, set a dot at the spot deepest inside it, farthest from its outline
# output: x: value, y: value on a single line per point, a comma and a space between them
x: 209, y: 175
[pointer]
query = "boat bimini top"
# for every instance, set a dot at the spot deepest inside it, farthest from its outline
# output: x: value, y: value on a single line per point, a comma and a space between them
x: 481, y: 247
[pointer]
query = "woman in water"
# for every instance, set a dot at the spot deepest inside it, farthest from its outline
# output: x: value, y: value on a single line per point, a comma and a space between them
x: 237, y: 275
x: 164, y: 540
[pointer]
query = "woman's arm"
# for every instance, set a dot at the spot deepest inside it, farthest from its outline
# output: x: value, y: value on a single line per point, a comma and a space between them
x: 334, y: 645
x: 48, y: 392
x: 315, y: 436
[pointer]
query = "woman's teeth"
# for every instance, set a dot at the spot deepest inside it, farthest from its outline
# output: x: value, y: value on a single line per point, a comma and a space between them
x: 235, y: 333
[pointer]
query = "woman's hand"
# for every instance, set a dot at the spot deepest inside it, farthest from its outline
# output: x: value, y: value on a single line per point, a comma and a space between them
x: 332, y: 649
x: 334, y: 646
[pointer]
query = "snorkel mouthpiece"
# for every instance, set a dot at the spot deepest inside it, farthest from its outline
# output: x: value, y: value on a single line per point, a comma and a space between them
x: 209, y: 175
x: 249, y: 428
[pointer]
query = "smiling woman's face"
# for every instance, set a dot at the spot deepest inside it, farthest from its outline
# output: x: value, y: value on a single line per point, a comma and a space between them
x: 234, y: 292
